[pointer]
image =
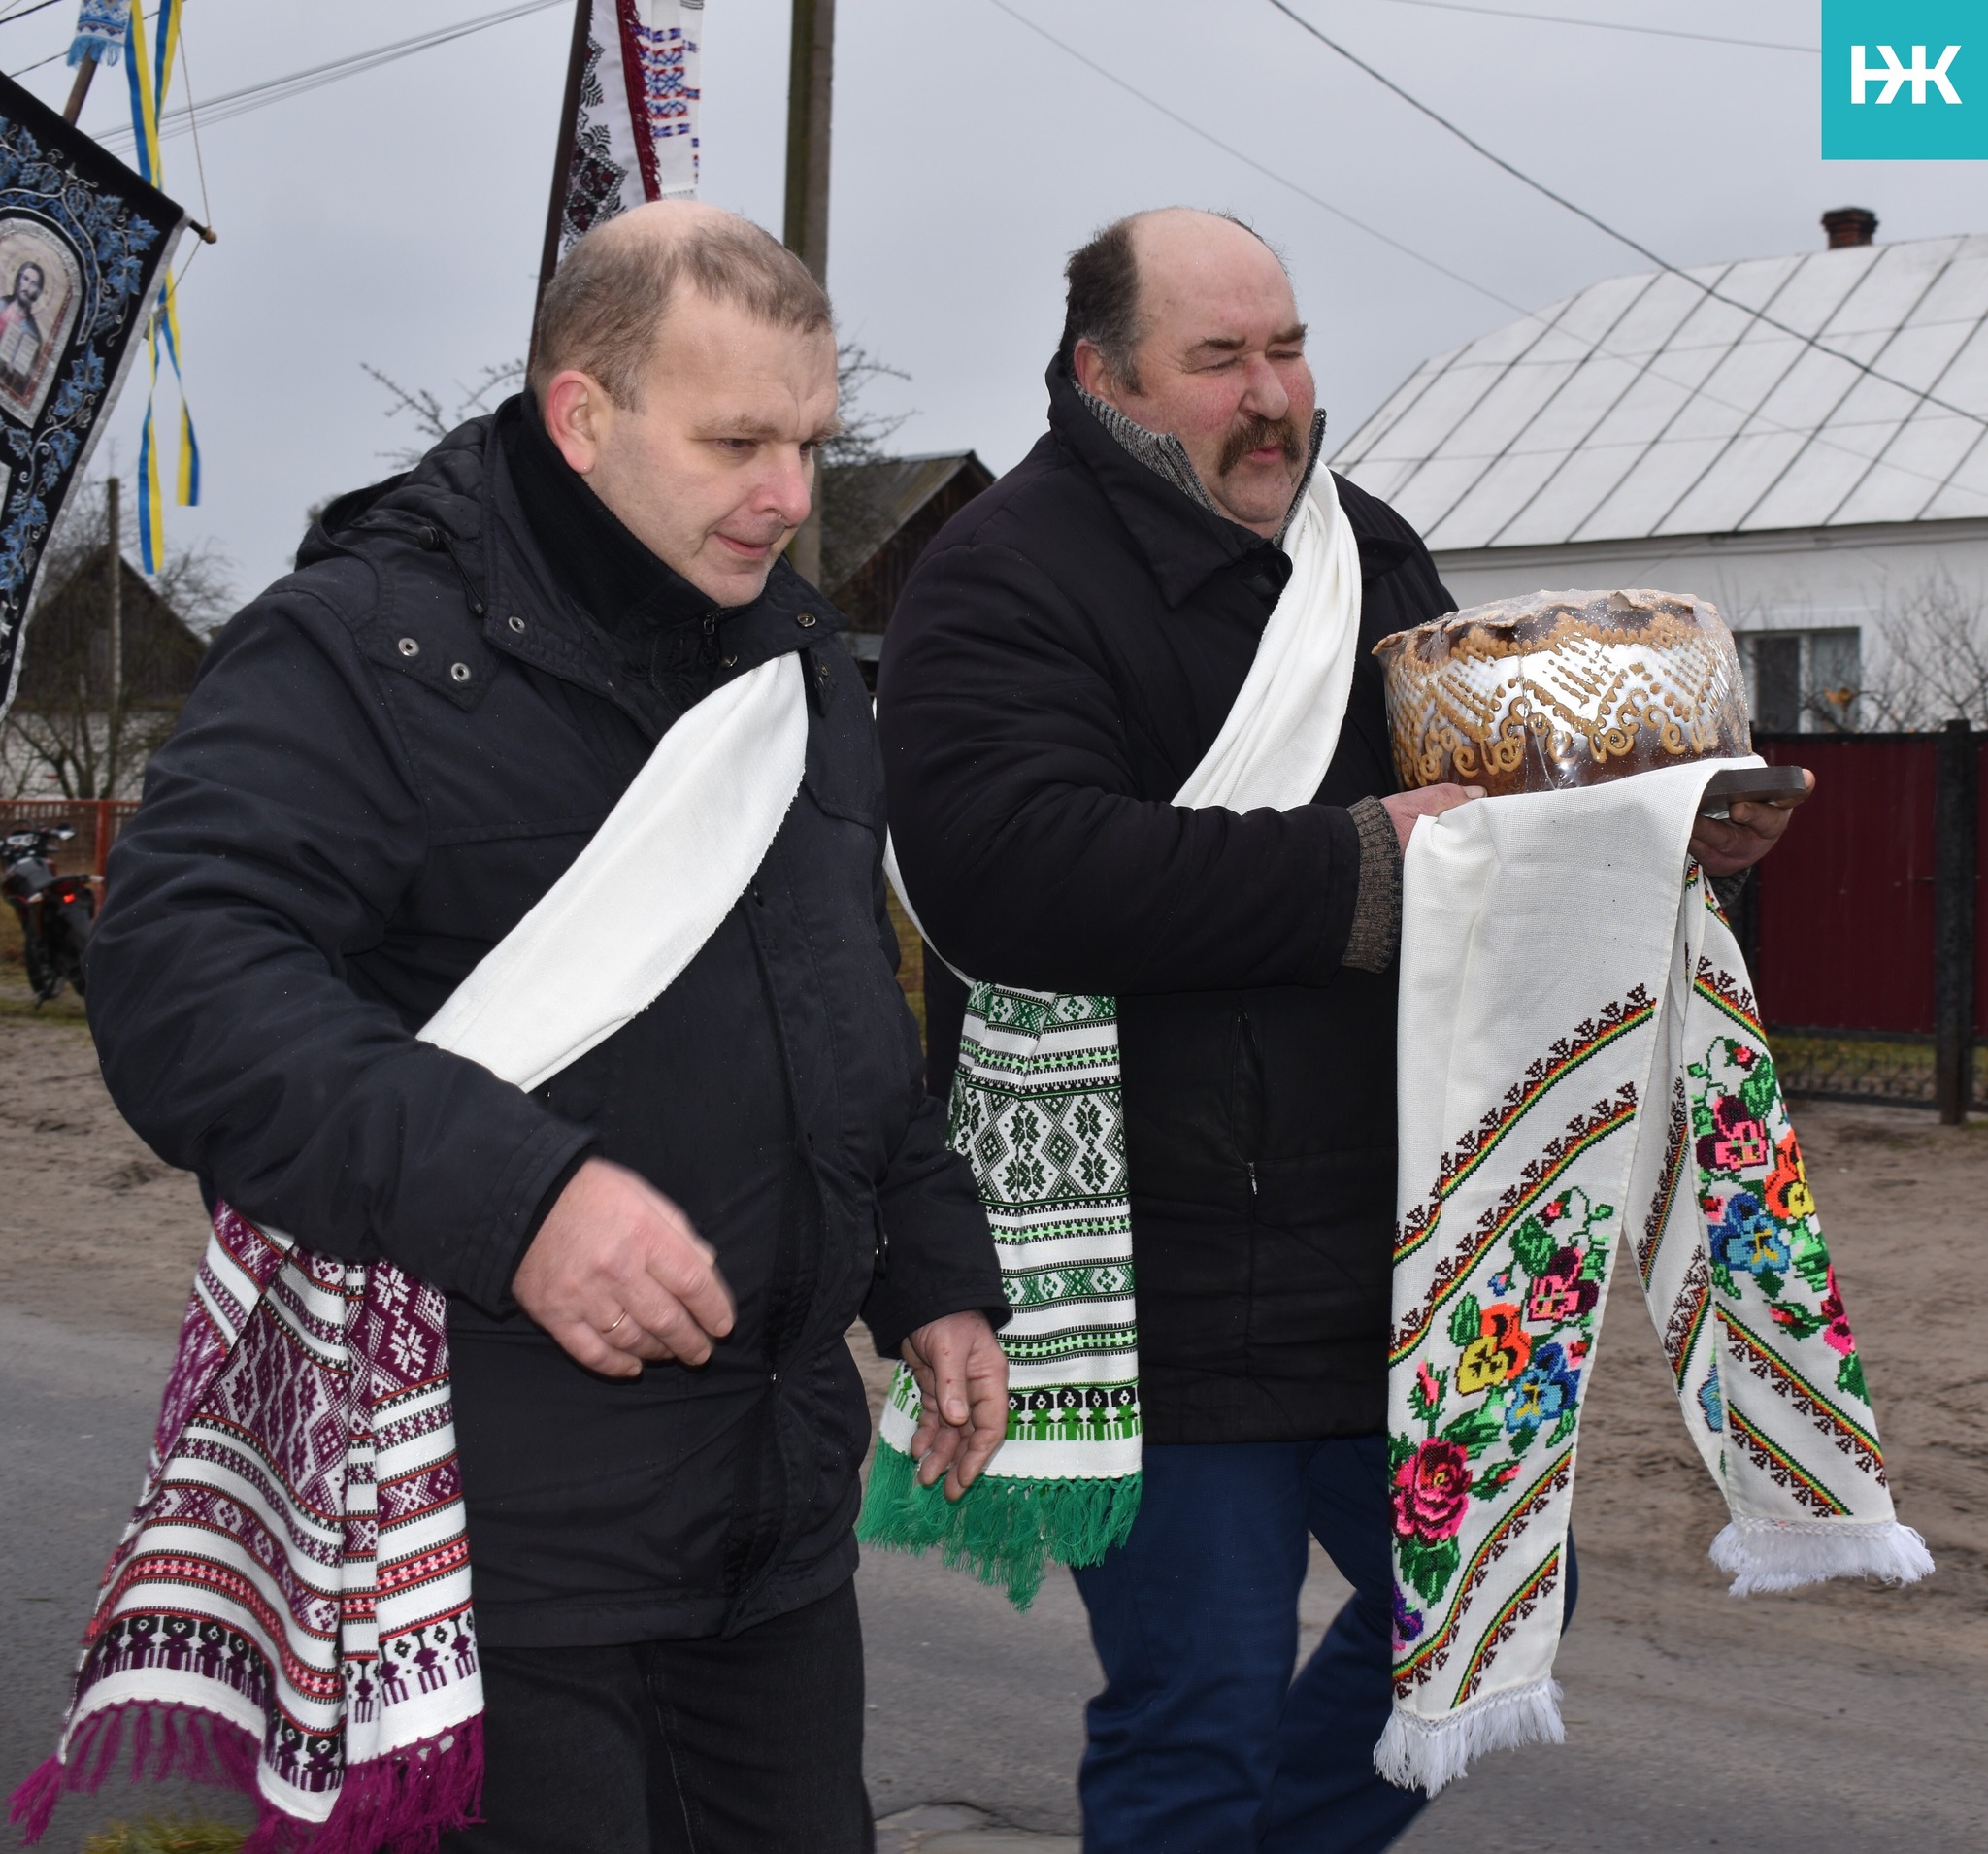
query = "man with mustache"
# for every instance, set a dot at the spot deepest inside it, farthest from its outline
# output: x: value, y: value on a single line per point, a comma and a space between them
x: 1063, y: 658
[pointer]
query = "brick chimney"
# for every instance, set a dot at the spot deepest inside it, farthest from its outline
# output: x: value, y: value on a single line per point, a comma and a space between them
x: 1850, y: 225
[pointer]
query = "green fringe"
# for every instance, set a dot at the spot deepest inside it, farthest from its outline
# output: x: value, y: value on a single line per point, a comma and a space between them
x: 1004, y: 1530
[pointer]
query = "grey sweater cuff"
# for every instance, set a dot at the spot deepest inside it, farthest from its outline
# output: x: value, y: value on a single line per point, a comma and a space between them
x: 1378, y: 912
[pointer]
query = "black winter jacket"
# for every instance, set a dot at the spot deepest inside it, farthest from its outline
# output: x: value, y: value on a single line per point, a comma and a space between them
x: 1063, y: 656
x: 388, y: 757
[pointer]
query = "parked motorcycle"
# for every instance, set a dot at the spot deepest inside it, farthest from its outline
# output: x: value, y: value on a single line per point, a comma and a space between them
x: 55, y: 911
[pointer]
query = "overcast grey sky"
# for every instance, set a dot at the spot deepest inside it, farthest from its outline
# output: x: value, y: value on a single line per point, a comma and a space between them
x: 396, y: 217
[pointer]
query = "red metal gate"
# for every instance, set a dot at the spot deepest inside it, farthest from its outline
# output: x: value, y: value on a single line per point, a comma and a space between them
x: 96, y: 821
x: 1863, y: 921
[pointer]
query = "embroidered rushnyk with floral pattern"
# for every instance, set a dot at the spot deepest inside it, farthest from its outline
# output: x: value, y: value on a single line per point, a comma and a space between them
x: 1655, y: 1117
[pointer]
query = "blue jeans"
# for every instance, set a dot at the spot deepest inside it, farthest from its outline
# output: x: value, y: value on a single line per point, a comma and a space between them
x: 1201, y: 1741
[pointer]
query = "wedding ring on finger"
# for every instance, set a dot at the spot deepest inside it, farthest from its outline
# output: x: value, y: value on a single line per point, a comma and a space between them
x: 607, y: 1331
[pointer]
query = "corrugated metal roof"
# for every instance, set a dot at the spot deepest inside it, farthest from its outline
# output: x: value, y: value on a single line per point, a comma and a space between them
x: 1642, y: 407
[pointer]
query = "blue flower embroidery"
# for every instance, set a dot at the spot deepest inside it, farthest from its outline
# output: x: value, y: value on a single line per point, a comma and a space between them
x: 1748, y: 1242
x: 1712, y: 1404
x: 1543, y: 1392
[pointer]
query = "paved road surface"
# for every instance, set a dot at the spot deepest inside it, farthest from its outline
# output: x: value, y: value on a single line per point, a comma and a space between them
x: 1696, y: 1737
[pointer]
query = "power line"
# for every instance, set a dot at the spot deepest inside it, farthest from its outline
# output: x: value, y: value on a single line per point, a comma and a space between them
x: 21, y: 12
x: 1602, y: 225
x: 1613, y: 25
x: 257, y: 97
x: 1644, y: 363
x: 1271, y: 173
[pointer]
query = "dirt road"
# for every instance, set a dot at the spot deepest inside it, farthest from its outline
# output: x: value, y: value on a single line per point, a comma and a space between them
x: 1838, y: 1719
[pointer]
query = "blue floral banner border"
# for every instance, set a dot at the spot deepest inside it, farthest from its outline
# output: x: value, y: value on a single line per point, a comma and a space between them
x: 99, y: 239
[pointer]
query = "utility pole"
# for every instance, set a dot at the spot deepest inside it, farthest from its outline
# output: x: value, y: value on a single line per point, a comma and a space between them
x: 112, y: 500
x: 810, y: 84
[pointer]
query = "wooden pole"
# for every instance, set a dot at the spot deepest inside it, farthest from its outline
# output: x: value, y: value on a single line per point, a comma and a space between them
x: 114, y: 498
x: 811, y: 89
x: 1954, y: 823
x: 562, y: 158
x: 85, y: 73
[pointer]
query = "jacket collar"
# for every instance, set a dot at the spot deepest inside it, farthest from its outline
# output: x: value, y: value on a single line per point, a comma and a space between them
x: 1183, y: 538
x: 623, y: 587
x: 461, y: 499
x: 789, y: 616
x: 1184, y: 542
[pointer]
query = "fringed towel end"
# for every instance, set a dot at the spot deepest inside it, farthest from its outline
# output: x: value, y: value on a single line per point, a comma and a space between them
x: 1789, y: 1554
x: 398, y: 1804
x: 1416, y: 1753
x: 1004, y: 1531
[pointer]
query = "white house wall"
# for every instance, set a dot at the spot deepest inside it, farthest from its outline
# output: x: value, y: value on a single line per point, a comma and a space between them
x: 1791, y: 580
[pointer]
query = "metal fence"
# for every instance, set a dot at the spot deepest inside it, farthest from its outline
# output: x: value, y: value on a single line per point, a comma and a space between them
x: 96, y: 821
x: 1862, y: 929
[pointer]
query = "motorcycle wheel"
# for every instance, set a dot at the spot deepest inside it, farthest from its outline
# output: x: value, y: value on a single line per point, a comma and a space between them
x: 74, y: 923
x: 44, y: 983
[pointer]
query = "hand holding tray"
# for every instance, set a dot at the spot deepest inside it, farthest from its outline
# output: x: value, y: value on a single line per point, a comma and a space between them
x: 1783, y: 785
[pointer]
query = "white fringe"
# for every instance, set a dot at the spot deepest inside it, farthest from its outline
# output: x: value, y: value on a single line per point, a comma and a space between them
x: 1416, y: 1753
x: 1787, y: 1554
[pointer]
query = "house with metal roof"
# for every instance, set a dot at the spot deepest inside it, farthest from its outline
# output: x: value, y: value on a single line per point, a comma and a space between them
x: 1801, y: 439
x: 877, y: 518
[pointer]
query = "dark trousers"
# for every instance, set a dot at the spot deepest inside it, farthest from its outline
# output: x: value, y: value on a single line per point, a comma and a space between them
x: 1201, y: 1741
x: 752, y: 1745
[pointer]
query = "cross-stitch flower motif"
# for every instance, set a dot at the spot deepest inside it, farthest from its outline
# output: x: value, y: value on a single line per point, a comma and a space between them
x: 1788, y: 1195
x: 1497, y: 1355
x: 1407, y: 1623
x: 1738, y: 1140
x: 1836, y: 1333
x: 1560, y: 1294
x: 1432, y: 1488
x: 1545, y: 1391
x: 1748, y: 1240
x: 1712, y: 1404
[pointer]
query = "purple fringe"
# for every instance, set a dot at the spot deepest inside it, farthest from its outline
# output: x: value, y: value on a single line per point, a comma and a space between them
x: 401, y: 1804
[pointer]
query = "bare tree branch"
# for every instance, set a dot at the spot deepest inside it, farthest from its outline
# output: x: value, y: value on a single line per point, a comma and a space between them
x: 1931, y: 663
x: 426, y: 409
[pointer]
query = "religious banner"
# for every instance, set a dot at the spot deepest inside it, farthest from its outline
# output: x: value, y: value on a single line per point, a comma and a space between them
x: 84, y: 244
x: 630, y: 126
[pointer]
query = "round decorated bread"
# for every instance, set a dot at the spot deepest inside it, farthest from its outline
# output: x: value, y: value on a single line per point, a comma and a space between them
x: 1562, y: 688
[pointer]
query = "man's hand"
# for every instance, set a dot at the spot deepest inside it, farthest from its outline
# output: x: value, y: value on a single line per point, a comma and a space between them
x: 1725, y: 849
x: 962, y: 1378
x: 616, y: 1275
x: 1427, y: 801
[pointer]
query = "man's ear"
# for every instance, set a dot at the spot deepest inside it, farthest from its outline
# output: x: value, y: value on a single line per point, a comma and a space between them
x: 1094, y: 371
x: 576, y: 409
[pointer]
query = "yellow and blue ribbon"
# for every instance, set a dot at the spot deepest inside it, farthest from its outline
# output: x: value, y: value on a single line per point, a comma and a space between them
x: 148, y: 87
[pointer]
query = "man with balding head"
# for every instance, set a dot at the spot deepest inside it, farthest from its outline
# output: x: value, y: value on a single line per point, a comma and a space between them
x: 651, y: 1258
x: 1062, y: 661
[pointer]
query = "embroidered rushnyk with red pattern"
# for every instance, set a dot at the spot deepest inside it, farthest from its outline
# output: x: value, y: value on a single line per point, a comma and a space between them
x: 289, y: 1610
x: 1581, y: 1060
x: 297, y: 1567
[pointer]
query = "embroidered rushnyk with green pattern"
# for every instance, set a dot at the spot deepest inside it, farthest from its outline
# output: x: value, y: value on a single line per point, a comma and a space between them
x: 1038, y: 1112
x: 1035, y: 1108
x: 1581, y: 1060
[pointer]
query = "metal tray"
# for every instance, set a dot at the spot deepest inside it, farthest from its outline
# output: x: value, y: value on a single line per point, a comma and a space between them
x: 1783, y: 785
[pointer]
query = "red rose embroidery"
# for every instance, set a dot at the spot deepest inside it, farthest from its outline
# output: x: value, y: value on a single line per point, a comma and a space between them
x: 1430, y: 1490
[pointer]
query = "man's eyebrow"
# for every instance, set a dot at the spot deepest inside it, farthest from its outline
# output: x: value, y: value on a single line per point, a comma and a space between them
x: 1234, y: 343
x: 743, y: 425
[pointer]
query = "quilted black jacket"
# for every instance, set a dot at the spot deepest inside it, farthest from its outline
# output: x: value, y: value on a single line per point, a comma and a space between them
x: 389, y: 756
